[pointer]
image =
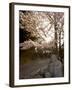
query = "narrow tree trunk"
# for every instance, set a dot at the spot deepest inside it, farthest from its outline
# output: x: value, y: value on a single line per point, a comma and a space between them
x: 55, y: 27
x: 55, y: 36
x: 59, y: 43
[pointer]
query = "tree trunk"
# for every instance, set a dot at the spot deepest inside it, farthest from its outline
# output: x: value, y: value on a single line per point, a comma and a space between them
x: 55, y: 27
x: 59, y: 43
x: 55, y: 37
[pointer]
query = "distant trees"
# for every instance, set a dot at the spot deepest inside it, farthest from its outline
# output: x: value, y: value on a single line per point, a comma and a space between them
x: 58, y: 25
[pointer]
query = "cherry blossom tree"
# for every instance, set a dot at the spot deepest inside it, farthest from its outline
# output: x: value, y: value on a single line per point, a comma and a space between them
x: 46, y: 27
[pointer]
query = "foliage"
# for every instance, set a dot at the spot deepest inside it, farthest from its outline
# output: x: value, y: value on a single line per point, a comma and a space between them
x: 45, y: 28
